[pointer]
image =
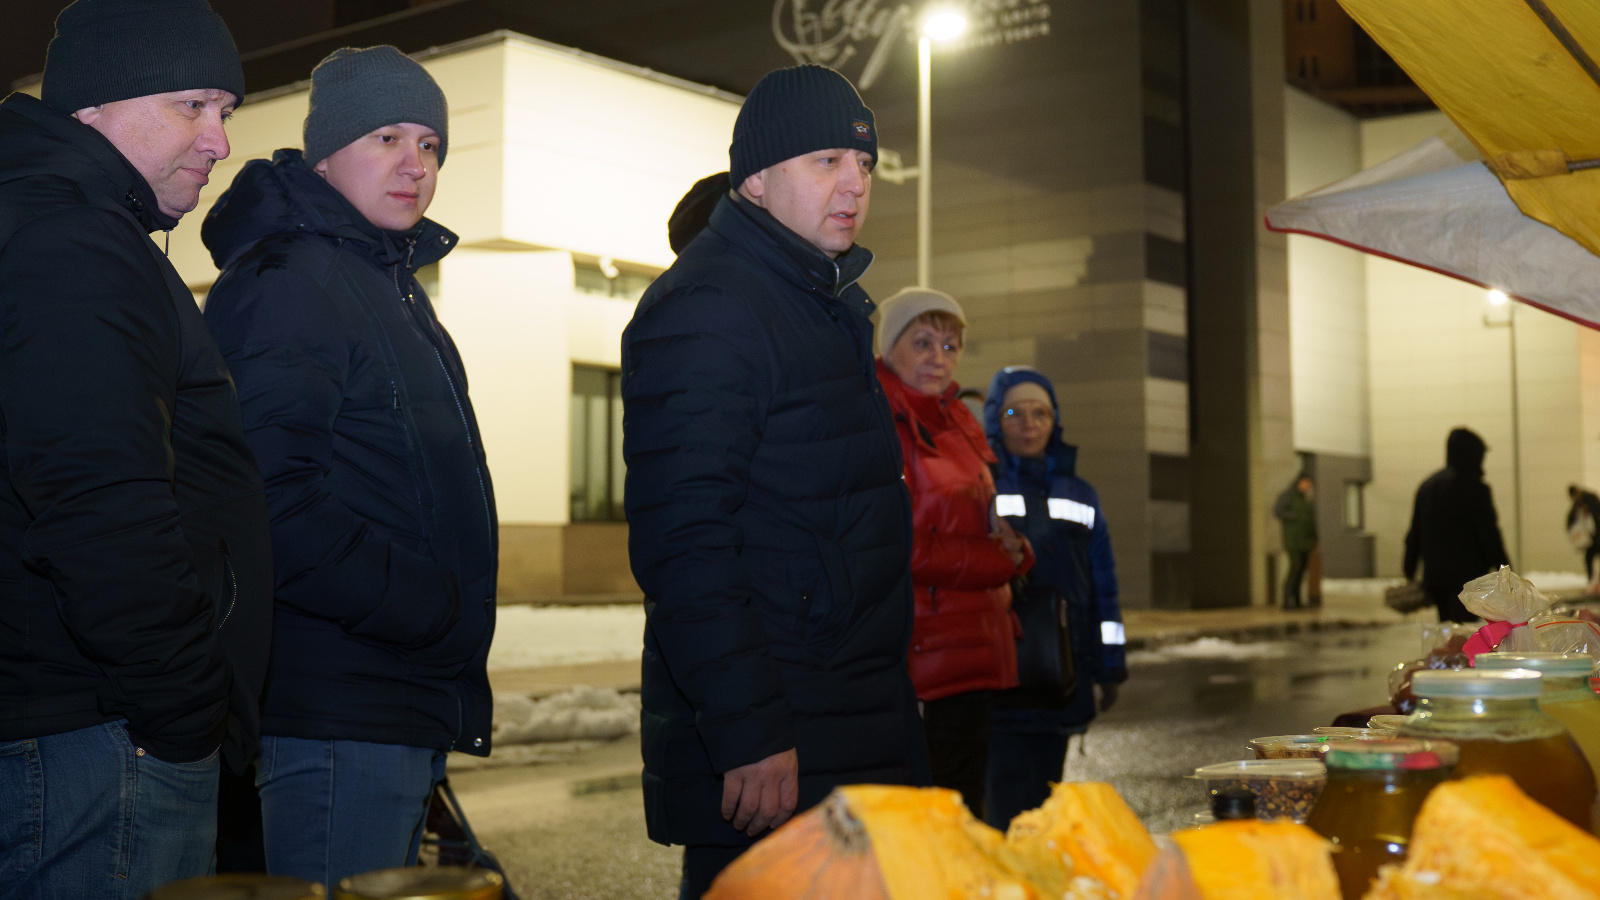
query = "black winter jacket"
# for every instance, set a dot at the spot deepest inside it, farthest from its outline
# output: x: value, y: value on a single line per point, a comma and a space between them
x: 383, y: 520
x: 769, y: 527
x: 135, y: 571
x: 1454, y: 532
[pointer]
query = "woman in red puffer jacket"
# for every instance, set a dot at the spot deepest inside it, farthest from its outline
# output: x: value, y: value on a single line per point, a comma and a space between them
x: 963, y: 641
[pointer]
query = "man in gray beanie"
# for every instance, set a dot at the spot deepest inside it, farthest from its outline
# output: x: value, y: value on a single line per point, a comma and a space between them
x: 134, y: 550
x: 768, y: 525
x: 383, y: 523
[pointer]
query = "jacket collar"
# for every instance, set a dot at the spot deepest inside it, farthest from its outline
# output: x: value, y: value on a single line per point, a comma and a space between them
x: 68, y: 148
x: 791, y: 256
x: 283, y: 195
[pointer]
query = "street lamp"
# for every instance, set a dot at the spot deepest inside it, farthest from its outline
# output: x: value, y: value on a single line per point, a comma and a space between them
x: 1498, y: 299
x: 937, y: 25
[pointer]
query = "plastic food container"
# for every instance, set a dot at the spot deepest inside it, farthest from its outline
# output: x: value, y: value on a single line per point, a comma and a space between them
x: 1390, y: 724
x: 1296, y: 746
x: 1284, y: 788
x: 1360, y: 734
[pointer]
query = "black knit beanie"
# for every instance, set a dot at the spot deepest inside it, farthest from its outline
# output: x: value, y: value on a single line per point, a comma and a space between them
x: 795, y: 111
x: 357, y: 91
x: 110, y: 50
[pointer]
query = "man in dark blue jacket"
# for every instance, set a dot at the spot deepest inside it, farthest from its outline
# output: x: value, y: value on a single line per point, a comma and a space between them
x: 1039, y: 492
x: 135, y: 567
x: 768, y: 523
x: 383, y: 520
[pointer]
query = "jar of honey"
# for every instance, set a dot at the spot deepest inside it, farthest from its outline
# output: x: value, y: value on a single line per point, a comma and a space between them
x: 1565, y: 694
x: 1493, y: 716
x: 1374, y: 791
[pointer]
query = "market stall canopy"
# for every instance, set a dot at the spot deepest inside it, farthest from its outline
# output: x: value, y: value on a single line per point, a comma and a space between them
x: 1519, y: 78
x: 1439, y: 207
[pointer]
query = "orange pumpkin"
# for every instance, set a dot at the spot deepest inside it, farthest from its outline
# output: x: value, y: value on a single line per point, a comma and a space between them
x: 1083, y: 830
x: 1256, y: 860
x: 872, y: 842
x: 1484, y: 838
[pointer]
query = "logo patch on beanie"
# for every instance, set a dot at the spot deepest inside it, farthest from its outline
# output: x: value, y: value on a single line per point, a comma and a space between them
x: 863, y: 131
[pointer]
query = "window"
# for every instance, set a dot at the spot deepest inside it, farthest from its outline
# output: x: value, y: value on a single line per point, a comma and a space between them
x: 605, y: 279
x: 1354, y: 503
x: 596, y: 442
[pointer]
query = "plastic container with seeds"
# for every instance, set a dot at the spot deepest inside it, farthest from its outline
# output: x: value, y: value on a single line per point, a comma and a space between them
x: 1360, y: 734
x: 1295, y: 746
x: 1387, y: 724
x: 421, y: 884
x: 239, y: 886
x: 1283, y: 788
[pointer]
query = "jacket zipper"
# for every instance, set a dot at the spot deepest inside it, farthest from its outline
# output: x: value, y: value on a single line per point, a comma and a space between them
x: 483, y: 492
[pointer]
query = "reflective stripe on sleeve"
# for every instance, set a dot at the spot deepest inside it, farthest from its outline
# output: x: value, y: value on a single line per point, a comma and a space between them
x: 1072, y: 511
x: 1010, y: 505
x: 1112, y: 633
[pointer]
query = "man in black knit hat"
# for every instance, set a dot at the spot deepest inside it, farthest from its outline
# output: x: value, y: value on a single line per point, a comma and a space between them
x: 768, y: 525
x: 135, y: 569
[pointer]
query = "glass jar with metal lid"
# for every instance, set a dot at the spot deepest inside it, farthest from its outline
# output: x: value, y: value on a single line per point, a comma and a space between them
x: 1493, y: 716
x: 239, y: 886
x: 1564, y: 694
x: 1374, y: 791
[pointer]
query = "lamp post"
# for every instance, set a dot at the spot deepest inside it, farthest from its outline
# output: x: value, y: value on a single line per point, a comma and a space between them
x: 937, y: 25
x: 1498, y: 299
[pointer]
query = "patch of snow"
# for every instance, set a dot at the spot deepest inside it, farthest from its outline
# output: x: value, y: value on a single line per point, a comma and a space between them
x: 583, y: 713
x: 1557, y: 581
x: 1211, y: 648
x: 526, y: 637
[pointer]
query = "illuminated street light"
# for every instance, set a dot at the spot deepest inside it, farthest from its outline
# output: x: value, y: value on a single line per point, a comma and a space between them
x: 1497, y: 299
x: 937, y: 25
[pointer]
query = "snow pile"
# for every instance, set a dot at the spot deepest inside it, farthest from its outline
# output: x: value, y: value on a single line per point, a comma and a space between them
x: 1211, y: 648
x: 583, y: 713
x: 527, y: 637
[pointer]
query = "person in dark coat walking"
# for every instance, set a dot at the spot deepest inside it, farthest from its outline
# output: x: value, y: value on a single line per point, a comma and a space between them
x: 1043, y: 498
x: 768, y: 525
x: 135, y: 566
x: 1582, y: 519
x: 383, y: 516
x: 1454, y: 532
x: 1298, y: 518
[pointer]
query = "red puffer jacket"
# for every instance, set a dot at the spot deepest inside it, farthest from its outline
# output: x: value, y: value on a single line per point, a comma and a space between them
x: 964, y: 635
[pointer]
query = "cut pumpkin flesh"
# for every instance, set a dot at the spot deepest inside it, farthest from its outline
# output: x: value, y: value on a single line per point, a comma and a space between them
x: 1255, y: 860
x: 1083, y: 830
x: 1483, y: 838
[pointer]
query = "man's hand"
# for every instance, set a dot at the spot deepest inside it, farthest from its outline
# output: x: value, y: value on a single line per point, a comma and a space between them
x: 1108, y: 695
x: 763, y: 794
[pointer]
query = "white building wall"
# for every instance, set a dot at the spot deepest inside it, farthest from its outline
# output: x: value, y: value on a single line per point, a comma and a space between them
x: 1327, y: 290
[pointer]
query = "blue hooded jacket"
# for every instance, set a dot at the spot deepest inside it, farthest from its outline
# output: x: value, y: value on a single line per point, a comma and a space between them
x: 1060, y: 514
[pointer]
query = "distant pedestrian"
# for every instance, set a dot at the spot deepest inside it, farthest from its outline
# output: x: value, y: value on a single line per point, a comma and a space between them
x: 768, y: 525
x: 1297, y: 512
x: 135, y: 567
x: 1454, y: 534
x: 383, y: 516
x: 1043, y: 498
x: 963, y: 557
x: 1581, y: 521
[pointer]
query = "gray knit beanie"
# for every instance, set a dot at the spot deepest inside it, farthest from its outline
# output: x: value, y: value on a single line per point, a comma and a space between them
x: 895, y: 313
x: 355, y: 91
x: 110, y: 50
x: 794, y: 111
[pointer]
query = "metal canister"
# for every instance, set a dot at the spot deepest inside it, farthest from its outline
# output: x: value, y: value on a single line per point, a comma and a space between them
x: 417, y: 883
x: 240, y: 886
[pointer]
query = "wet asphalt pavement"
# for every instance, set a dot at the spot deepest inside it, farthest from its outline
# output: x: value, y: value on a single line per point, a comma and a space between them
x: 1182, y: 707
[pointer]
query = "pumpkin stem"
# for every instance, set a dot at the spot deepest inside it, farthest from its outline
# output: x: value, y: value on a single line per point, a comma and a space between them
x: 846, y: 831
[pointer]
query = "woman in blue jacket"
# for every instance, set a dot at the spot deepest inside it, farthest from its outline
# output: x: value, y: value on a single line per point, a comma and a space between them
x: 1039, y: 493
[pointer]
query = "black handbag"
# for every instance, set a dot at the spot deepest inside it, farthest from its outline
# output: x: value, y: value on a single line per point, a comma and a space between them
x: 447, y: 833
x: 1044, y: 651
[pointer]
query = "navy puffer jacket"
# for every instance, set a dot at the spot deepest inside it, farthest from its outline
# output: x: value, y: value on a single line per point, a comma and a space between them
x: 769, y: 526
x: 383, y: 520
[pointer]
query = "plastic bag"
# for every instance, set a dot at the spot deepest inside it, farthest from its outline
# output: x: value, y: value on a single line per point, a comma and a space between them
x: 1503, y: 596
x: 1167, y: 877
x: 1442, y: 649
x: 1557, y: 632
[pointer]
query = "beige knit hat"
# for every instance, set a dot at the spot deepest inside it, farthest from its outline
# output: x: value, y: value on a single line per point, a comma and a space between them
x: 895, y: 313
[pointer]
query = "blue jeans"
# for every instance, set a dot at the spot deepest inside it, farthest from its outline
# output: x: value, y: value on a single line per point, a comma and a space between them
x: 86, y: 814
x: 332, y: 809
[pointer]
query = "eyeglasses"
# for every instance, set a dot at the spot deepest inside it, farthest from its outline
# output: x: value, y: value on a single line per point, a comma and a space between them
x: 1032, y: 416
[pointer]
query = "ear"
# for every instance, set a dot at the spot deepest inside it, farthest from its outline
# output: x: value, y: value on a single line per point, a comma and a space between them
x: 754, y: 188
x: 89, y: 114
x: 321, y: 168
